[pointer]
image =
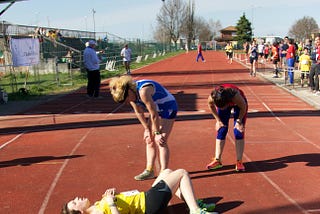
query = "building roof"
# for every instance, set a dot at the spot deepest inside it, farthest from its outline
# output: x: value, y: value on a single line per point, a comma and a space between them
x: 229, y: 28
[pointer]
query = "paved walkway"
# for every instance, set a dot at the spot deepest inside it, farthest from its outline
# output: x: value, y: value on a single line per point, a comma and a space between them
x: 303, y: 93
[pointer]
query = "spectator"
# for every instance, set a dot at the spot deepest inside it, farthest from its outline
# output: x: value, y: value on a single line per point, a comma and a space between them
x: 283, y: 50
x: 315, y: 67
x: 36, y: 33
x: 91, y: 63
x: 126, y: 56
x: 260, y: 51
x: 59, y: 35
x: 308, y: 44
x: 69, y: 58
x: 304, y: 65
x: 266, y: 51
x: 275, y: 58
x: 291, y: 58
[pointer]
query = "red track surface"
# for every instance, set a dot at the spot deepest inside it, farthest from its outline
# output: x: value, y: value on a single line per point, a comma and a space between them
x: 73, y: 146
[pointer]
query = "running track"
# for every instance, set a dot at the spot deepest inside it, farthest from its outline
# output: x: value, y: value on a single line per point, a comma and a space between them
x: 73, y: 146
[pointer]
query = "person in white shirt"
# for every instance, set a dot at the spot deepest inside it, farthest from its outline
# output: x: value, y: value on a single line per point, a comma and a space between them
x: 126, y: 54
x: 261, y: 51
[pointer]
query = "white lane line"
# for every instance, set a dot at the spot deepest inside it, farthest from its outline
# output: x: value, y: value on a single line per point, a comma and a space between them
x: 290, y: 129
x: 12, y: 140
x: 314, y: 211
x: 59, y: 173
x: 275, y: 186
x: 269, y: 180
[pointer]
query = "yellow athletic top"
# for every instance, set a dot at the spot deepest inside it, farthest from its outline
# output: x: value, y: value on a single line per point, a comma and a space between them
x: 305, y: 62
x: 126, y: 202
x: 229, y: 48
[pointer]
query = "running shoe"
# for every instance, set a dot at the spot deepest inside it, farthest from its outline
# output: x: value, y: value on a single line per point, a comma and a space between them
x: 202, y: 211
x: 240, y: 167
x: 209, y: 207
x: 145, y: 175
x: 214, y: 164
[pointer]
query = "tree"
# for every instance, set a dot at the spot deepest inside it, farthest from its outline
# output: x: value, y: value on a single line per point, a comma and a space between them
x: 244, y: 30
x: 303, y: 28
x: 188, y: 24
x: 215, y: 27
x: 202, y: 29
x: 170, y: 18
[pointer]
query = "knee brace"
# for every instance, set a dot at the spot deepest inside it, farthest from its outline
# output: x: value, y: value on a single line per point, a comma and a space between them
x: 237, y: 134
x: 222, y: 133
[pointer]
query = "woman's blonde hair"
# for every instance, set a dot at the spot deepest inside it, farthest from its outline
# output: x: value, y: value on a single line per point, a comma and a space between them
x: 119, y: 87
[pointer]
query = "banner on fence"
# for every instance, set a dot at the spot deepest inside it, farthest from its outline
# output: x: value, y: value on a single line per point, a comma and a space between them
x: 25, y: 52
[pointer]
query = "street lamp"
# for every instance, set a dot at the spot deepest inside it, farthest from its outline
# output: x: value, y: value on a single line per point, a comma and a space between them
x: 94, y: 23
x: 252, y: 15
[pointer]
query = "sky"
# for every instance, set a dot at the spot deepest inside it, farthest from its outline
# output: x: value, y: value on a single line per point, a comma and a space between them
x: 137, y: 18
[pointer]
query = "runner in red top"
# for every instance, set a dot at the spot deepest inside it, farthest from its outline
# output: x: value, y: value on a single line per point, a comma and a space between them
x: 200, y: 53
x: 222, y: 100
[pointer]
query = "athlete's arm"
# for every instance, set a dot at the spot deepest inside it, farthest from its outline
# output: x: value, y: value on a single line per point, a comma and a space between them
x: 214, y: 112
x: 241, y: 103
x: 146, y: 97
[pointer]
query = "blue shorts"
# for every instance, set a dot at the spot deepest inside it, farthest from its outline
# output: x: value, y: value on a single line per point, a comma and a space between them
x: 224, y: 115
x: 170, y: 112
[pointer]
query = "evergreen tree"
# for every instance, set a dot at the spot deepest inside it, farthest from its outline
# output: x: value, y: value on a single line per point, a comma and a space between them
x: 244, y: 30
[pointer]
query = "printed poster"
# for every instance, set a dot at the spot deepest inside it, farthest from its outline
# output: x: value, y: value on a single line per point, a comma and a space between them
x: 25, y: 52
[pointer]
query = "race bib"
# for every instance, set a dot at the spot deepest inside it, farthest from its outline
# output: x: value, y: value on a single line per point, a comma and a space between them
x: 130, y: 193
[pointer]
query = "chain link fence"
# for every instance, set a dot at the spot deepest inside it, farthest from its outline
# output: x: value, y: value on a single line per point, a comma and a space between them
x: 61, y: 54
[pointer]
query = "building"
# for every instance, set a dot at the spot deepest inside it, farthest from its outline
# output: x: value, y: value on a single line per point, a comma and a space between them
x: 227, y: 35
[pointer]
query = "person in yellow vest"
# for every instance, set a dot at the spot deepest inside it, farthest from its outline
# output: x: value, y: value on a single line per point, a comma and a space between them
x: 304, y: 66
x: 153, y: 201
x: 229, y: 52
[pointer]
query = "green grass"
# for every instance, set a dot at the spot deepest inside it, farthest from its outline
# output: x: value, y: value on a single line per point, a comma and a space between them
x: 29, y: 86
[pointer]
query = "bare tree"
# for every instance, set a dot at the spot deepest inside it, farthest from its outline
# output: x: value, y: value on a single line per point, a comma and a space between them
x: 202, y: 29
x: 303, y: 28
x: 177, y: 20
x: 170, y: 18
x: 188, y: 23
x: 215, y: 27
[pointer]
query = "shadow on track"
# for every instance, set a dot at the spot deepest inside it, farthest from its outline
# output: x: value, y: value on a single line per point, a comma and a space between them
x: 34, y: 160
x: 311, y: 160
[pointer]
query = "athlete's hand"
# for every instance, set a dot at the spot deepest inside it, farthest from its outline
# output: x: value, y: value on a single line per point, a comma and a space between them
x: 240, y: 127
x: 159, y: 139
x: 109, y: 196
x: 219, y: 124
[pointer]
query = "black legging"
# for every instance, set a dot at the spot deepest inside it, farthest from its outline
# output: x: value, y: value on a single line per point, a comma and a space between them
x: 314, y: 78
